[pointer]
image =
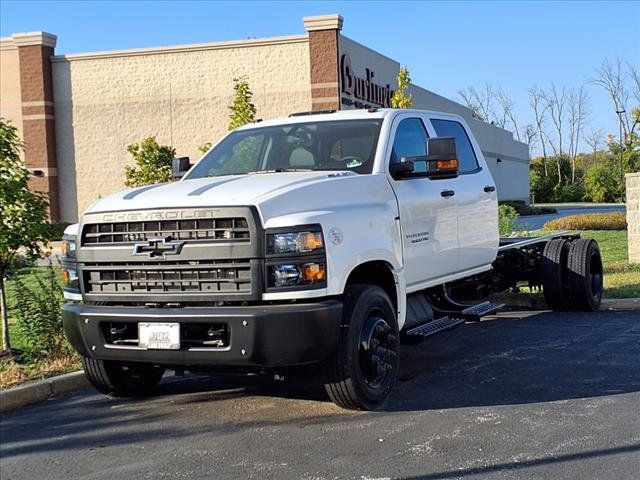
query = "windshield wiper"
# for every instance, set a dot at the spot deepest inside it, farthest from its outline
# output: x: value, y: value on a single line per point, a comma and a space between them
x: 225, y: 174
x: 275, y: 170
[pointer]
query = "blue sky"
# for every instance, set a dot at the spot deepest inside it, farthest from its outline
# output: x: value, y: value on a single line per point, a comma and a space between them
x: 446, y: 45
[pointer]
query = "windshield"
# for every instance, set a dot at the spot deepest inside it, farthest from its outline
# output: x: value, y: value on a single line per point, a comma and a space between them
x: 339, y: 145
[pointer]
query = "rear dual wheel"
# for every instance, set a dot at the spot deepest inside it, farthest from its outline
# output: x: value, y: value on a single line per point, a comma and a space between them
x: 584, y: 275
x: 572, y: 275
x: 554, y: 274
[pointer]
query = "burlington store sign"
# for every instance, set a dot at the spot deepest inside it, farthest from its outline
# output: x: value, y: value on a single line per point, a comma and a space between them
x: 361, y: 90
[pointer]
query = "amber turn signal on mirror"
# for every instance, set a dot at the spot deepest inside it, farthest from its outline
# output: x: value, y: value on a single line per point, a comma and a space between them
x: 447, y: 164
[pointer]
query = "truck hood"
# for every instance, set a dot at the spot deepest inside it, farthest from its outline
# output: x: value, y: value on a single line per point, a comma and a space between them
x: 232, y: 190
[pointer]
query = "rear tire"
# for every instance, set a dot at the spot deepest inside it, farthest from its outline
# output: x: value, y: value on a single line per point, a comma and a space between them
x: 554, y: 274
x: 585, y: 275
x: 364, y: 369
x: 122, y: 379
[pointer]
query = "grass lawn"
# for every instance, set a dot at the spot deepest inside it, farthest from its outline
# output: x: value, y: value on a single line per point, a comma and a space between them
x: 621, y: 279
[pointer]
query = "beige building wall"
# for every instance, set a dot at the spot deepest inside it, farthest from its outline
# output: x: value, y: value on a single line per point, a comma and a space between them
x: 106, y: 101
x: 10, y: 95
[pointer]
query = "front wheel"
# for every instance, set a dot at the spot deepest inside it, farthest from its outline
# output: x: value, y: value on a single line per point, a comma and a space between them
x: 364, y: 369
x: 122, y: 379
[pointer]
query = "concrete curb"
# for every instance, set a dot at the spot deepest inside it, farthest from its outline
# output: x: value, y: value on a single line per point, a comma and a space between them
x: 620, y: 304
x: 40, y: 390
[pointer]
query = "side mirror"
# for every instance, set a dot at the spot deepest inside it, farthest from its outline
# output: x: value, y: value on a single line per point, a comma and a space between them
x: 442, y: 158
x: 440, y: 161
x: 179, y: 167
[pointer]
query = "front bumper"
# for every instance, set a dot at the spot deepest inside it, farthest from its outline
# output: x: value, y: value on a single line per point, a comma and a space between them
x: 259, y: 336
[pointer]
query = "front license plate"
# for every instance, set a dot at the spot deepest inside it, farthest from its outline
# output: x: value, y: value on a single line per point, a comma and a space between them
x: 159, y: 336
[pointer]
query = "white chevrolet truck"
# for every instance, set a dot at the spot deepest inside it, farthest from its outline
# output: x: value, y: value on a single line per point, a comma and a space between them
x: 328, y: 238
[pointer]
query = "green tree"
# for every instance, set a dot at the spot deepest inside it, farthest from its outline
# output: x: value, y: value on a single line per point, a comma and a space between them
x: 153, y: 163
x: 542, y: 180
x: 400, y: 98
x: 24, y: 219
x: 242, y: 111
x: 603, y: 183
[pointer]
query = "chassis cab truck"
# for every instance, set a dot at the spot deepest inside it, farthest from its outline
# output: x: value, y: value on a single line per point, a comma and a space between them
x: 326, y: 239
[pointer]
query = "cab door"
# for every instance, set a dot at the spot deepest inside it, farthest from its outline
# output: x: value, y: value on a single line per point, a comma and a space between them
x: 477, y: 200
x: 428, y: 210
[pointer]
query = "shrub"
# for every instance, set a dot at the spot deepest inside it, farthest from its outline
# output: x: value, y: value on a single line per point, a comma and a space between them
x: 38, y: 311
x: 589, y: 221
x: 507, y: 216
x: 24, y: 221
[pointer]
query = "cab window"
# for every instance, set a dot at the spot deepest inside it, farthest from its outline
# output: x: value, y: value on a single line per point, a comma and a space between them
x: 466, y: 155
x: 410, y: 140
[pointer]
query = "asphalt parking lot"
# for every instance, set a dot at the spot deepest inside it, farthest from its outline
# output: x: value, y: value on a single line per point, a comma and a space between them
x: 522, y: 395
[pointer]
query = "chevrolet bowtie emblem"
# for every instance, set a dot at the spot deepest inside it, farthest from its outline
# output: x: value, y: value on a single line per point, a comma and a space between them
x: 158, y: 247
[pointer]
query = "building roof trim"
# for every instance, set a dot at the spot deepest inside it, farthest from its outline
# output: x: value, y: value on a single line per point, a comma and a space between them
x: 34, y: 38
x: 253, y: 42
x: 333, y: 21
x: 6, y: 43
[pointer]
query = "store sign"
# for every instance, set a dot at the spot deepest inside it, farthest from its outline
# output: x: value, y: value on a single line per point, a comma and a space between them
x: 365, y: 91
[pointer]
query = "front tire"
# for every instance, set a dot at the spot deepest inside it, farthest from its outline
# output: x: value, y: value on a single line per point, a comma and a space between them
x: 120, y: 379
x: 364, y: 369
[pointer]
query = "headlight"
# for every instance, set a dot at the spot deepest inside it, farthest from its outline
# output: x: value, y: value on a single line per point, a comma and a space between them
x: 311, y: 274
x: 68, y: 247
x: 70, y: 279
x: 296, y: 258
x: 288, y: 243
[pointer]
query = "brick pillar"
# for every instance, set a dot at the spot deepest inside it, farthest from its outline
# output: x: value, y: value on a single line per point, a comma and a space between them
x: 324, y: 32
x: 38, y: 124
x: 633, y: 215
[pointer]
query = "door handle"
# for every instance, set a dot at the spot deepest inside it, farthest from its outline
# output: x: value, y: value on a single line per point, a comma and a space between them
x: 447, y: 193
x: 489, y: 188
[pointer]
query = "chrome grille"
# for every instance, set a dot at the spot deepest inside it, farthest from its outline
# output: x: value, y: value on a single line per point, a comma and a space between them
x: 210, y: 230
x: 224, y: 276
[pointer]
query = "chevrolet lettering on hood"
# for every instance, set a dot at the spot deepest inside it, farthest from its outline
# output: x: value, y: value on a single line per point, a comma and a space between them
x: 187, y: 214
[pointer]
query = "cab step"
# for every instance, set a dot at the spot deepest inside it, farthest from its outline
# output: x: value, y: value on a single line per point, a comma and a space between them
x: 476, y: 312
x: 435, y: 326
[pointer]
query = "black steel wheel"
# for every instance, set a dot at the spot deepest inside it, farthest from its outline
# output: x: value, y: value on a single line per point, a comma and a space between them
x: 585, y: 275
x: 364, y: 369
x: 554, y: 274
x: 122, y: 379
